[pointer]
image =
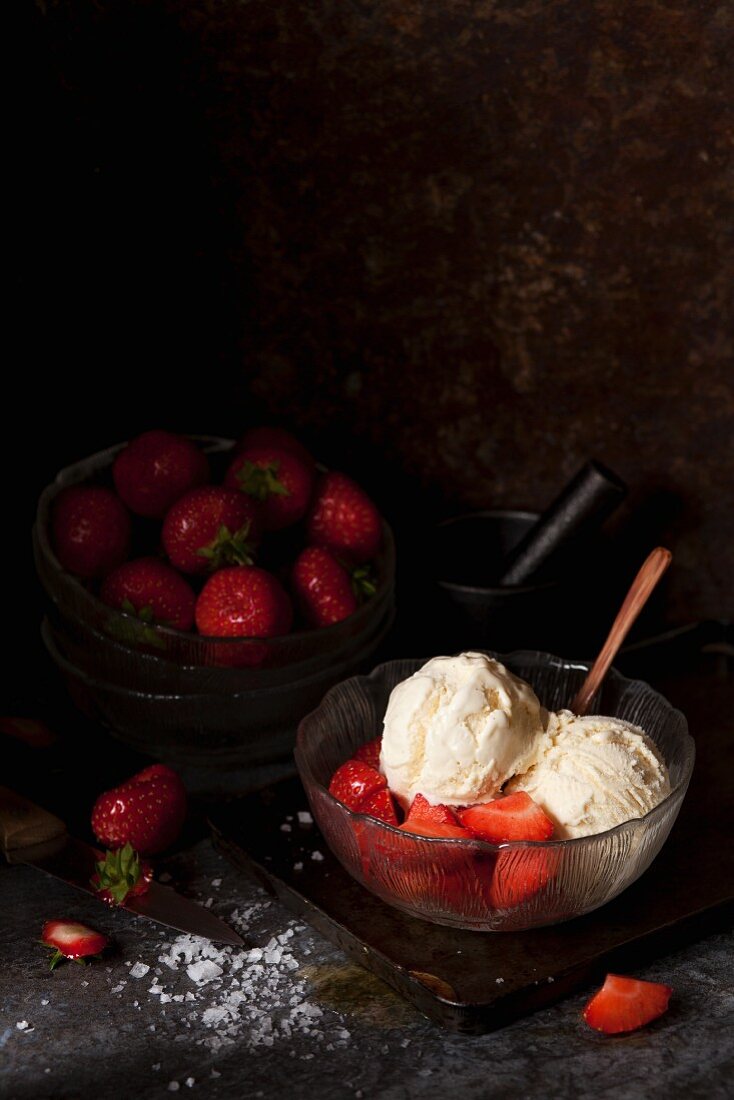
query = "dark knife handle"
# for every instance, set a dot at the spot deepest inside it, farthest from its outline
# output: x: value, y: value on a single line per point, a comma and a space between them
x: 26, y: 831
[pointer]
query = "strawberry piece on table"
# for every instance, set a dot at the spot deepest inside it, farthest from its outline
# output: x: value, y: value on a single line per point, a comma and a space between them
x: 90, y: 530
x: 624, y: 1004
x: 151, y: 590
x: 323, y: 587
x: 354, y: 782
x: 513, y: 817
x: 210, y: 527
x: 71, y: 940
x: 147, y: 811
x: 155, y: 469
x: 380, y: 805
x: 370, y: 752
x: 121, y: 874
x: 280, y: 480
x: 344, y: 519
x: 281, y: 438
x: 243, y: 601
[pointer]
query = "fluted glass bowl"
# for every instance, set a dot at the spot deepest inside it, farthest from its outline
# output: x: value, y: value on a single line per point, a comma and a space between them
x: 469, y: 883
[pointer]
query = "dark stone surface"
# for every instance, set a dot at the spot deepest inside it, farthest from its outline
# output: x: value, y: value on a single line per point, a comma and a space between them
x: 92, y: 1039
x: 462, y: 246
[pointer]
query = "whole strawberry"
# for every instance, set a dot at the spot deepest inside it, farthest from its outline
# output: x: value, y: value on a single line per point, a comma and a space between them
x: 155, y: 469
x: 344, y: 519
x: 325, y: 590
x: 243, y: 602
x: 151, y: 590
x: 90, y: 530
x: 211, y: 527
x: 281, y: 438
x: 279, y: 479
x: 147, y: 811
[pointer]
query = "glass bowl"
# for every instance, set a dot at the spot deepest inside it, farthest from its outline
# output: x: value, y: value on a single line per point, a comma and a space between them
x: 187, y: 662
x: 469, y: 883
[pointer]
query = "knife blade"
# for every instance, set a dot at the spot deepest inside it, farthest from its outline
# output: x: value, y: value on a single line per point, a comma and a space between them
x: 31, y: 835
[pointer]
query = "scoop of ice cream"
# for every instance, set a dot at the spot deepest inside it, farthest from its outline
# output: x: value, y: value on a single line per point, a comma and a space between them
x: 593, y: 773
x: 457, y: 729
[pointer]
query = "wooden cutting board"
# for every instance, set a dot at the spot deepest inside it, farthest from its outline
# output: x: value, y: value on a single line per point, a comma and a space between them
x: 477, y: 981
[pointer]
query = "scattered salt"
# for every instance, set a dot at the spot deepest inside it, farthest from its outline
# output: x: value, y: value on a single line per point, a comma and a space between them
x: 285, y: 827
x: 208, y: 903
x: 156, y: 1066
x: 139, y: 970
x: 499, y: 981
x: 317, y: 856
x: 304, y: 818
x: 298, y: 866
x: 190, y: 1082
x: 119, y: 988
x: 173, y: 1086
x: 44, y: 1001
x: 204, y: 971
x: 22, y: 1025
x: 216, y: 883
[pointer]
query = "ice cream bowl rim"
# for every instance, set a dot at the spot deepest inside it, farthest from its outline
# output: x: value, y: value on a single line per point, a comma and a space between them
x: 475, y: 843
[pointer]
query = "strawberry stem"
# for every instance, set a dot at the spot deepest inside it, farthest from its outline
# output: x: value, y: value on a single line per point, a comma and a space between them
x: 261, y: 482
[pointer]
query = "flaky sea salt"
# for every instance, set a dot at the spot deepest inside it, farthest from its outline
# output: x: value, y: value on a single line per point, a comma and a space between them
x: 139, y: 970
x: 22, y: 1025
x: 304, y: 818
x: 318, y: 856
x: 204, y: 971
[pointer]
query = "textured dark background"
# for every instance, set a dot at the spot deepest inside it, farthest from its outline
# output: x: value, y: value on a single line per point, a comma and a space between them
x: 461, y: 246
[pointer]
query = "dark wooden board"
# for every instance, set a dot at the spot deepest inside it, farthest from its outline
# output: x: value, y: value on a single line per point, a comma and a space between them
x: 454, y: 976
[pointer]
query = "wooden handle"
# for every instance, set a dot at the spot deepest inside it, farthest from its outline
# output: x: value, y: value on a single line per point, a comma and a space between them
x: 652, y: 570
x: 26, y: 831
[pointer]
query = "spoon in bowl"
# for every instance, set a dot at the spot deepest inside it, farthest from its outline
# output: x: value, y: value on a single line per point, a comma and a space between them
x: 639, y: 592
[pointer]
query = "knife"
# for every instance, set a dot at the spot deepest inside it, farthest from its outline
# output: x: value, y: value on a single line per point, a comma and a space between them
x: 38, y: 838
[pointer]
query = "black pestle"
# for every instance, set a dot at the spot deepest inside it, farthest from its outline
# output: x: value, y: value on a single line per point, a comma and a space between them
x: 583, y: 505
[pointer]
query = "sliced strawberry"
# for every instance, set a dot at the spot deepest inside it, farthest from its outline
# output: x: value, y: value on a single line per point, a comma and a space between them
x: 426, y: 827
x: 519, y: 874
x: 514, y: 817
x: 370, y: 752
x: 71, y: 940
x: 421, y: 811
x: 624, y: 1004
x: 354, y: 781
x: 379, y: 804
x: 121, y: 874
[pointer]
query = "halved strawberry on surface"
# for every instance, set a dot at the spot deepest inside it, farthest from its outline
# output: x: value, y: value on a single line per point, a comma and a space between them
x: 71, y: 940
x: 513, y: 817
x: 624, y: 1004
x: 354, y: 781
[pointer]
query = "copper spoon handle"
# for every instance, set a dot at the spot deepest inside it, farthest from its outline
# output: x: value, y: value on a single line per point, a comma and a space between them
x: 639, y: 593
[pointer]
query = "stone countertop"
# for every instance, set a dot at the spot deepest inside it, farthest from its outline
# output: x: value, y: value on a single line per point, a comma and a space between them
x: 289, y: 1015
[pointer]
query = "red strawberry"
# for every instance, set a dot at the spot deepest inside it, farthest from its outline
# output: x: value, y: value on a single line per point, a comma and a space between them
x: 147, y: 811
x: 514, y: 817
x: 624, y: 1004
x: 71, y: 940
x: 323, y: 587
x: 370, y: 753
x: 379, y: 804
x: 155, y: 469
x: 243, y: 602
x: 344, y: 519
x: 519, y: 874
x: 151, y: 590
x: 423, y: 827
x: 211, y: 527
x: 90, y: 529
x: 266, y: 436
x: 354, y: 782
x: 280, y: 480
x: 421, y: 810
x: 121, y: 874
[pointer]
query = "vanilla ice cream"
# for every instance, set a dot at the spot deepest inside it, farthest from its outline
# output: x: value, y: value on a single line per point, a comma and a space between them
x: 593, y: 773
x: 457, y: 729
